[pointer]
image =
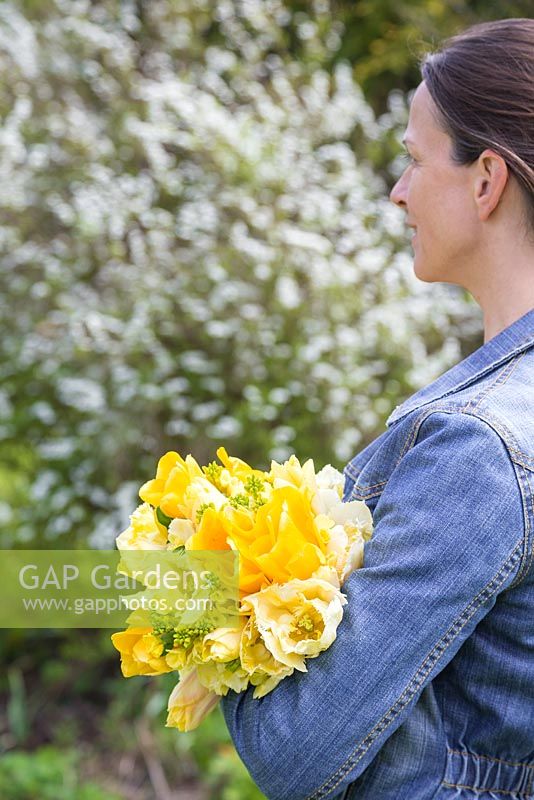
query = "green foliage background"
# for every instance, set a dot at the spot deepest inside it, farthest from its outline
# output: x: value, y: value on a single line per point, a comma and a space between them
x: 197, y: 248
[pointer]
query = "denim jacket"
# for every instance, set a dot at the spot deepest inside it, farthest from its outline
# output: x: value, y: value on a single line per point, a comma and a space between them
x: 427, y: 693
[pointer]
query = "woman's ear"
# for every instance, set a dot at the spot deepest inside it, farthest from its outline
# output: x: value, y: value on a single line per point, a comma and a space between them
x: 491, y: 175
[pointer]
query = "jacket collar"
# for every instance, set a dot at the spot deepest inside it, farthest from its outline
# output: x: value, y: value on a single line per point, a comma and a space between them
x: 514, y: 339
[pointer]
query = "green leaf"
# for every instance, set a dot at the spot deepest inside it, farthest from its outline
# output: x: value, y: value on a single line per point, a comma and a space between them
x: 163, y: 518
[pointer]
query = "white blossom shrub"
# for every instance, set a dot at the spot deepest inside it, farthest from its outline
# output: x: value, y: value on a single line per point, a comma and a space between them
x: 195, y: 251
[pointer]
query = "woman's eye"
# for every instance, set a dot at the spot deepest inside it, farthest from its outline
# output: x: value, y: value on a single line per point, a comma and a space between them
x: 407, y: 158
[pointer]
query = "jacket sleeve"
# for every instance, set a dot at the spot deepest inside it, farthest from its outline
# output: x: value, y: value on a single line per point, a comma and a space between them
x: 448, y: 537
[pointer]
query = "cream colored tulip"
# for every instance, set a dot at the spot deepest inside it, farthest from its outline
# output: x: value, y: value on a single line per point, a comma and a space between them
x: 354, y: 558
x: 180, y: 530
x: 200, y: 492
x: 189, y: 702
x: 297, y: 619
x: 144, y: 531
x: 264, y: 671
x: 219, y: 678
x: 291, y: 473
x: 330, y: 478
x: 222, y: 644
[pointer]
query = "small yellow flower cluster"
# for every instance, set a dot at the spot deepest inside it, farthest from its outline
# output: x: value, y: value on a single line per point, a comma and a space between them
x: 297, y: 543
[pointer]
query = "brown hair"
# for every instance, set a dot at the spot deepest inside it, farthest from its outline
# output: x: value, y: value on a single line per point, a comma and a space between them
x: 482, y: 82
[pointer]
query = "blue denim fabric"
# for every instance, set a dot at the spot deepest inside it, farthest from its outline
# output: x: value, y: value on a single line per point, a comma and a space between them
x: 428, y: 691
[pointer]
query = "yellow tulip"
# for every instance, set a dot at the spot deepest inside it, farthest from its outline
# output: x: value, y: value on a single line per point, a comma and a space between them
x: 173, y: 476
x: 184, y: 654
x: 177, y: 658
x: 237, y: 468
x: 141, y: 652
x: 210, y: 534
x: 285, y: 540
x: 251, y: 578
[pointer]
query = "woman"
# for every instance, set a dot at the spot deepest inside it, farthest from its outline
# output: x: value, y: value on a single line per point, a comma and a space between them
x: 428, y: 690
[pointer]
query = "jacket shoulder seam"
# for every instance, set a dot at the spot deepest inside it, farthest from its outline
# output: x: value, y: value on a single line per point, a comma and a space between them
x: 499, y: 380
x: 507, y: 438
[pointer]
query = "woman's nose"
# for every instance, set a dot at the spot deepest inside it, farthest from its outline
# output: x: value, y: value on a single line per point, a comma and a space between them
x: 398, y: 193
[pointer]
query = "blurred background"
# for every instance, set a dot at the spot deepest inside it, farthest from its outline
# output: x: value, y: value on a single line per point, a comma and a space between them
x: 197, y: 248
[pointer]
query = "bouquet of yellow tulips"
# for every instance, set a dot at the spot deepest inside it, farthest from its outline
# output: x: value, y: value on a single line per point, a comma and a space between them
x: 296, y: 542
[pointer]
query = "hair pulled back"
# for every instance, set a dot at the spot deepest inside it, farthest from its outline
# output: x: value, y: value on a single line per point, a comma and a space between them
x: 482, y: 82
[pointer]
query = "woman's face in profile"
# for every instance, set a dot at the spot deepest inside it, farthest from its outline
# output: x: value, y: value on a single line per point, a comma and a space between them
x: 437, y: 195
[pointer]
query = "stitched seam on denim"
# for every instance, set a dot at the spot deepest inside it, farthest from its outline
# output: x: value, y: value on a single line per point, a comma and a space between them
x: 359, y: 493
x: 501, y: 431
x: 372, y: 486
x: 527, y: 550
x: 447, y: 409
x: 439, y: 648
x: 489, y: 789
x: 527, y: 768
x: 414, y: 432
x: 531, y: 491
x: 412, y: 435
x: 486, y: 417
x: 524, y: 464
x: 367, y: 488
x: 468, y: 381
x: 504, y: 432
x: 354, y: 475
x: 351, y: 471
x: 489, y: 758
x: 500, y: 380
x: 410, y: 438
x: 523, y: 459
x: 480, y: 415
x: 504, y: 435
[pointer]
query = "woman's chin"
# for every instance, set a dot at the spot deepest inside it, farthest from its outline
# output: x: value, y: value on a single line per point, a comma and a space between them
x: 424, y: 271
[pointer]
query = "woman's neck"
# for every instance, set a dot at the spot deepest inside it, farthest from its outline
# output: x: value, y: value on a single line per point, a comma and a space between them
x: 503, y: 283
x: 508, y: 297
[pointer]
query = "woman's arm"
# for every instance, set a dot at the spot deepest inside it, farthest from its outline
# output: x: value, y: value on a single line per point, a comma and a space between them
x: 448, y: 537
